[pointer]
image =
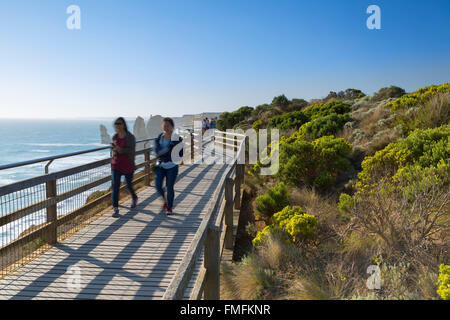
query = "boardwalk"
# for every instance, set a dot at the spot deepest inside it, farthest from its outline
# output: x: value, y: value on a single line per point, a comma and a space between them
x: 131, y: 257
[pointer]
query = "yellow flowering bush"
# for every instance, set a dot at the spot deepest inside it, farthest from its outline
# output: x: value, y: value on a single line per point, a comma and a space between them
x: 262, y: 235
x: 444, y: 282
x: 257, y: 124
x: 417, y: 97
x: 425, y: 108
x: 293, y: 222
x: 301, y: 226
x: 282, y: 217
x: 425, y: 148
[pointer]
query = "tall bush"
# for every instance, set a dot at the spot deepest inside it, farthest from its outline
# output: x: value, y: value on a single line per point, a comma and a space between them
x: 315, y: 163
x: 425, y: 148
x: 294, y: 222
x: 324, y: 109
x: 418, y: 97
x: 288, y: 120
x: 275, y: 199
x: 325, y: 126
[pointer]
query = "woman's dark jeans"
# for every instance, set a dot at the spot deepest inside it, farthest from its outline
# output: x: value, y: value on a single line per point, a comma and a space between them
x: 116, y: 176
x: 171, y: 176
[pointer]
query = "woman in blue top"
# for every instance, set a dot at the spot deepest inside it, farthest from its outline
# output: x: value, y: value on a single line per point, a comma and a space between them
x: 166, y: 168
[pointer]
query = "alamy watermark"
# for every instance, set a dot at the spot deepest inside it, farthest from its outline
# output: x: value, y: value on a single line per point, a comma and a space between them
x: 374, y: 281
x: 73, y: 22
x: 374, y: 20
x: 74, y: 279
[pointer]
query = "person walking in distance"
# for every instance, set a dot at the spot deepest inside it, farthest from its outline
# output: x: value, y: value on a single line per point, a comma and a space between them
x: 166, y: 167
x: 203, y: 126
x: 122, y: 163
x: 213, y: 123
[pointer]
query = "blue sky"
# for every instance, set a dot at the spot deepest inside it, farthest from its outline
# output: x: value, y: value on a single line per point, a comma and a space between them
x: 175, y: 57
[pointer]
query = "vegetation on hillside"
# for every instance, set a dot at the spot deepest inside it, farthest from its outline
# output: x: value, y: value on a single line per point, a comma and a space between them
x: 363, y: 181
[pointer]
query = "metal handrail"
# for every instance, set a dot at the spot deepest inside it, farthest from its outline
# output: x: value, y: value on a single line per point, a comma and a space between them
x: 183, y: 275
x: 52, y: 197
x: 66, y: 155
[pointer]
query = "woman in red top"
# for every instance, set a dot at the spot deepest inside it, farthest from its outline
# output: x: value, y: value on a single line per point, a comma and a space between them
x: 124, y: 149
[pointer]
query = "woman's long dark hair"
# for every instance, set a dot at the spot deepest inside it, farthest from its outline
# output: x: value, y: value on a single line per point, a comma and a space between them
x: 123, y: 121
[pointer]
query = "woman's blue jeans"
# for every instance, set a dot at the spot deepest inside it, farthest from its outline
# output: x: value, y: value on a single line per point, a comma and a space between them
x: 116, y: 176
x: 171, y: 176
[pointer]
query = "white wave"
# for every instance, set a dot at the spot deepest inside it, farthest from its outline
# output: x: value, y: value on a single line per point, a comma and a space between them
x: 65, y: 163
x: 40, y: 151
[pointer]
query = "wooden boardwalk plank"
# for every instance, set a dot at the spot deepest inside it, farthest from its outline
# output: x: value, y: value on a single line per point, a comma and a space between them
x: 134, y: 256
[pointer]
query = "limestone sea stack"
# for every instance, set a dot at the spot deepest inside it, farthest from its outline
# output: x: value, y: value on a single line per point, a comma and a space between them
x: 139, y: 130
x: 105, y: 137
x: 140, y: 133
x: 154, y: 126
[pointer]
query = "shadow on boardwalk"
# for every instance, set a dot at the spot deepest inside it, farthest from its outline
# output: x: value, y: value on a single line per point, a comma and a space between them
x: 132, y: 257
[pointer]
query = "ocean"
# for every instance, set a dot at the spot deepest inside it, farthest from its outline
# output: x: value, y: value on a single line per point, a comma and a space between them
x: 22, y: 140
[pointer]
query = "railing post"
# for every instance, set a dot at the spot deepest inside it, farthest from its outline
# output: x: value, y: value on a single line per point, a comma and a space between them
x: 237, y: 186
x: 224, y: 147
x: 228, y: 241
x: 192, y: 146
x: 51, y: 213
x: 246, y: 142
x: 214, y: 143
x: 211, y: 290
x: 147, y: 168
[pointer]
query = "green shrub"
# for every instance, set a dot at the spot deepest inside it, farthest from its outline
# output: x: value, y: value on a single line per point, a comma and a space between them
x: 424, y: 148
x: 255, y: 169
x: 301, y: 226
x: 323, y: 180
x: 418, y: 97
x: 388, y: 92
x: 444, y: 282
x: 297, y: 162
x: 413, y: 178
x: 315, y: 163
x: 332, y: 153
x: 282, y: 217
x: 281, y: 101
x: 325, y: 126
x: 228, y: 120
x: 288, y: 120
x: 257, y: 124
x: 260, y: 110
x: 273, y: 201
x: 324, y: 109
x: 345, y: 202
x: 294, y: 222
x: 426, y: 108
x: 261, y: 236
x: 298, y: 104
x: 404, y: 213
x: 349, y: 94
